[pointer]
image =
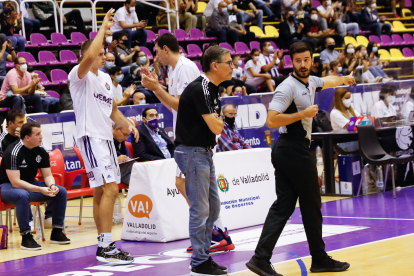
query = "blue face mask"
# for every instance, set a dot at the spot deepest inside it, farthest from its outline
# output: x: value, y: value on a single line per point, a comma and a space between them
x: 6, y: 10
x: 109, y: 64
x: 153, y: 123
x: 239, y: 63
x: 143, y: 60
x: 119, y: 78
x: 224, y: 10
x: 142, y: 102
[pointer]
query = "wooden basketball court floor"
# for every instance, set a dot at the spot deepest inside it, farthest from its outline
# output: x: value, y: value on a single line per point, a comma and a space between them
x: 374, y: 233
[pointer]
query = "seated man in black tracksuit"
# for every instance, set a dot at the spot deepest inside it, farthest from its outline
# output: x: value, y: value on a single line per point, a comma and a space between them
x: 153, y: 143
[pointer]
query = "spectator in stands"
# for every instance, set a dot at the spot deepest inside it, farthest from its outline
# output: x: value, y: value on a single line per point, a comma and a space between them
x: 343, y: 9
x: 230, y: 138
x: 313, y: 30
x: 238, y: 78
x: 385, y: 106
x: 375, y: 64
x: 408, y: 105
x: 211, y: 6
x: 45, y: 13
x: 347, y: 55
x: 110, y: 43
x: 241, y: 8
x: 8, y: 18
x: 31, y: 25
x: 49, y: 104
x: 253, y: 73
x: 266, y: 8
x: 120, y: 136
x: 271, y: 60
x: 109, y: 62
x: 370, y: 20
x: 219, y: 26
x: 127, y: 20
x: 141, y: 61
x: 125, y: 54
x: 14, y: 120
x: 328, y: 17
x: 359, y: 65
x: 243, y: 35
x: 65, y: 99
x: 238, y: 91
x: 329, y: 54
x: 335, y: 68
x: 19, y: 187
x: 18, y: 88
x: 139, y: 98
x: 222, y: 92
x: 185, y: 17
x: 5, y: 56
x: 162, y: 72
x: 153, y: 143
x: 121, y: 97
x: 192, y: 7
x: 317, y: 68
x: 292, y: 32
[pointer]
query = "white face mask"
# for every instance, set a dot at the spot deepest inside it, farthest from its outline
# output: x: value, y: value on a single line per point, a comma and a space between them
x: 230, y: 7
x: 328, y: 3
x: 373, y: 6
x: 346, y: 102
x: 132, y: 9
x: 339, y: 69
x: 391, y: 99
x: 108, y: 39
x: 256, y: 58
x: 23, y: 68
x: 314, y: 17
x: 350, y: 50
x: 339, y: 5
x: 375, y: 49
x: 270, y: 49
x: 224, y: 10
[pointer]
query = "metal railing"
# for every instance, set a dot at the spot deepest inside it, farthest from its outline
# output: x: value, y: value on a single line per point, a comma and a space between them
x: 23, y: 2
x: 93, y: 13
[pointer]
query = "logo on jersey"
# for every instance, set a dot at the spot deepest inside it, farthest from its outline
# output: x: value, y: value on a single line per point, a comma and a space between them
x: 38, y: 159
x: 107, y: 86
x: 103, y: 98
x: 23, y: 162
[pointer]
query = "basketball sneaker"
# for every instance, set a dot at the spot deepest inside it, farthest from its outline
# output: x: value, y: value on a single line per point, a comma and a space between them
x: 28, y: 243
x: 217, y: 242
x: 328, y: 264
x: 113, y: 255
x: 230, y: 245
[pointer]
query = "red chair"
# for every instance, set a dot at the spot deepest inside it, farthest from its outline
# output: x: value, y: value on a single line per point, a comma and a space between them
x: 130, y: 148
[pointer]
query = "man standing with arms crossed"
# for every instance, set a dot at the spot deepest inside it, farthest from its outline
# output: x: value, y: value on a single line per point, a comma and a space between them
x: 292, y: 109
x: 95, y: 109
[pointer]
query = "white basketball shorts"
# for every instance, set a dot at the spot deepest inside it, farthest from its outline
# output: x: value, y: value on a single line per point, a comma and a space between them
x: 101, y: 162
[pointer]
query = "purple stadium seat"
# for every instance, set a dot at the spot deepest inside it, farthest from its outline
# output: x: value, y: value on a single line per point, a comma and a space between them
x: 199, y: 66
x: 151, y: 37
x: 147, y: 52
x: 53, y: 94
x: 163, y: 31
x: 288, y: 62
x: 92, y: 35
x: 68, y: 57
x: 39, y: 40
x: 375, y: 38
x: 386, y: 40
x: 397, y: 40
x: 315, y: 4
x: 407, y: 52
x: 181, y: 35
x: 58, y: 76
x: 409, y: 39
x: 255, y: 45
x: 77, y: 38
x: 4, y: 109
x: 47, y: 58
x: 364, y: 31
x: 182, y: 49
x: 60, y: 40
x: 196, y: 34
x: 205, y: 45
x: 43, y: 79
x: 241, y: 48
x: 227, y: 46
x: 29, y: 58
x: 194, y: 51
x: 9, y: 64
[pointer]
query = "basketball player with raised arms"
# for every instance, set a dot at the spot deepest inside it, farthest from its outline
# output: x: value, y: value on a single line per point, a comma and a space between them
x: 95, y: 110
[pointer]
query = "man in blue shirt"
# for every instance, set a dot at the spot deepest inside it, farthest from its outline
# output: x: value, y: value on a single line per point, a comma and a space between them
x: 154, y: 143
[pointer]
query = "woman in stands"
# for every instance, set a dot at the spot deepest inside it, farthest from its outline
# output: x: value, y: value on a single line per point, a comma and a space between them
x: 349, y: 54
x: 385, y: 106
x: 336, y: 68
x: 8, y: 18
x: 252, y: 70
x: 341, y: 113
x: 408, y: 105
x: 375, y: 64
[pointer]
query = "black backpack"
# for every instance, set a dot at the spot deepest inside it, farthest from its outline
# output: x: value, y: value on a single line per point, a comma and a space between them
x: 321, y: 123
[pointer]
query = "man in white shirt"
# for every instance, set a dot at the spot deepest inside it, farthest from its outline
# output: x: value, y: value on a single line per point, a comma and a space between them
x: 211, y: 5
x: 269, y: 61
x: 328, y: 17
x: 385, y: 106
x: 121, y: 97
x: 95, y: 110
x: 127, y: 22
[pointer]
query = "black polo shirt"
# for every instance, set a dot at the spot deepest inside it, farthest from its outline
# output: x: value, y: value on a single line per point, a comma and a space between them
x: 243, y: 4
x: 6, y: 139
x: 199, y: 98
x: 18, y: 157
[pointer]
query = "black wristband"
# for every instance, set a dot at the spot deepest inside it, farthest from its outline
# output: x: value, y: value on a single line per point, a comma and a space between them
x: 52, y: 185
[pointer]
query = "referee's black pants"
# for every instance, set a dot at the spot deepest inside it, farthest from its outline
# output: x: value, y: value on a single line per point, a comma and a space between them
x: 296, y: 176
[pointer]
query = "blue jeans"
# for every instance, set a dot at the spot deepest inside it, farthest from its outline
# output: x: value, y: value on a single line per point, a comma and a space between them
x: 265, y: 8
x: 377, y: 72
x: 378, y: 27
x: 18, y: 41
x: 31, y: 26
x: 50, y: 105
x: 17, y: 102
x: 197, y: 165
x: 351, y: 26
x: 140, y: 35
x: 224, y: 35
x: 22, y: 198
x: 243, y: 18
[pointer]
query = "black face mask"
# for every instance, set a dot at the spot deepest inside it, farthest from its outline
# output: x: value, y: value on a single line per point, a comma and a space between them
x: 290, y: 19
x: 124, y: 41
x: 331, y: 47
x: 229, y: 121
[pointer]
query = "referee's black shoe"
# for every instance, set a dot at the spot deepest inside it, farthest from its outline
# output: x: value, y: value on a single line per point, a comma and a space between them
x: 328, y: 264
x: 261, y: 267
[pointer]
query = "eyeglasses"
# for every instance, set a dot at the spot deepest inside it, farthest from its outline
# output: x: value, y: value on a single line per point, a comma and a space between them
x: 231, y: 115
x: 230, y: 63
x: 126, y: 135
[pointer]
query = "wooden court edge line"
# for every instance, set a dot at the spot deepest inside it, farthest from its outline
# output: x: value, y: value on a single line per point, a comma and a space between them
x: 365, y: 218
x: 234, y: 273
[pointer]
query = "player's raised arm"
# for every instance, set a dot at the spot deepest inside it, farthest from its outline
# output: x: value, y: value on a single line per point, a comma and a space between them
x: 95, y: 49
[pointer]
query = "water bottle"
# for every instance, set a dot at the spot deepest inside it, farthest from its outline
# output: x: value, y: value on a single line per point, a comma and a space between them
x: 365, y: 182
x: 37, y: 219
x: 380, y: 181
x: 319, y: 160
x: 323, y: 182
x: 117, y: 211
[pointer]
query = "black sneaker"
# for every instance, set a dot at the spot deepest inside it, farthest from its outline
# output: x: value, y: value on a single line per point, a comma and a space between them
x: 328, y: 265
x: 112, y: 255
x: 112, y: 244
x: 214, y: 264
x: 58, y: 237
x: 262, y: 268
x: 28, y: 243
x: 207, y: 268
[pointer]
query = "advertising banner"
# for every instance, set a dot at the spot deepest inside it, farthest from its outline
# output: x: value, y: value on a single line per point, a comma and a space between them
x: 157, y: 212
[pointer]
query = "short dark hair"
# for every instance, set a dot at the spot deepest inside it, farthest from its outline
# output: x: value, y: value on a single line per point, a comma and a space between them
x: 16, y: 60
x: 85, y: 46
x: 213, y: 54
x: 314, y: 9
x: 120, y: 35
x: 144, y: 113
x: 387, y: 89
x: 168, y: 40
x: 113, y: 70
x: 30, y: 69
x: 27, y: 128
x: 299, y: 47
x: 368, y: 2
x: 263, y: 44
x: 12, y: 114
x: 127, y: 2
x: 359, y: 47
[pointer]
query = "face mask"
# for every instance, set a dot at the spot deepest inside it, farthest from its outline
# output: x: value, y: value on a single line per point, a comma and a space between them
x: 124, y: 41
x: 119, y: 78
x: 143, y: 60
x: 229, y: 121
x: 391, y: 99
x: 230, y: 7
x: 331, y: 47
x: 373, y: 6
x: 350, y: 50
x: 314, y: 17
x: 131, y: 9
x: 365, y: 52
x: 6, y: 10
x: 108, y: 40
x: 109, y: 64
x: 256, y: 58
x: 290, y: 19
x: 339, y: 69
x: 328, y: 3
x: 224, y: 10
x: 375, y: 49
x: 346, y: 102
x: 270, y: 49
x: 142, y: 102
x: 238, y: 94
x: 239, y: 63
x: 153, y: 123
x: 339, y: 5
x: 23, y: 68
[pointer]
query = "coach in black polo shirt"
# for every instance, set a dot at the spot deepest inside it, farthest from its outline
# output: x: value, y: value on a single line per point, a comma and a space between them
x: 19, y: 166
x: 14, y: 120
x: 198, y: 123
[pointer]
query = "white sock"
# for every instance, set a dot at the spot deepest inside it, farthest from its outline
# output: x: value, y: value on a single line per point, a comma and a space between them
x: 105, y: 239
x: 218, y: 223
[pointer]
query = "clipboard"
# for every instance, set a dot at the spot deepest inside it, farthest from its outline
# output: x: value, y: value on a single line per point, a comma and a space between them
x: 130, y: 160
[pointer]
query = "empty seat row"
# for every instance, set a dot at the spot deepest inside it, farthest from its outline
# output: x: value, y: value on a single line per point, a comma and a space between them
x: 57, y: 76
x: 57, y: 39
x: 395, y: 55
x: 48, y: 58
